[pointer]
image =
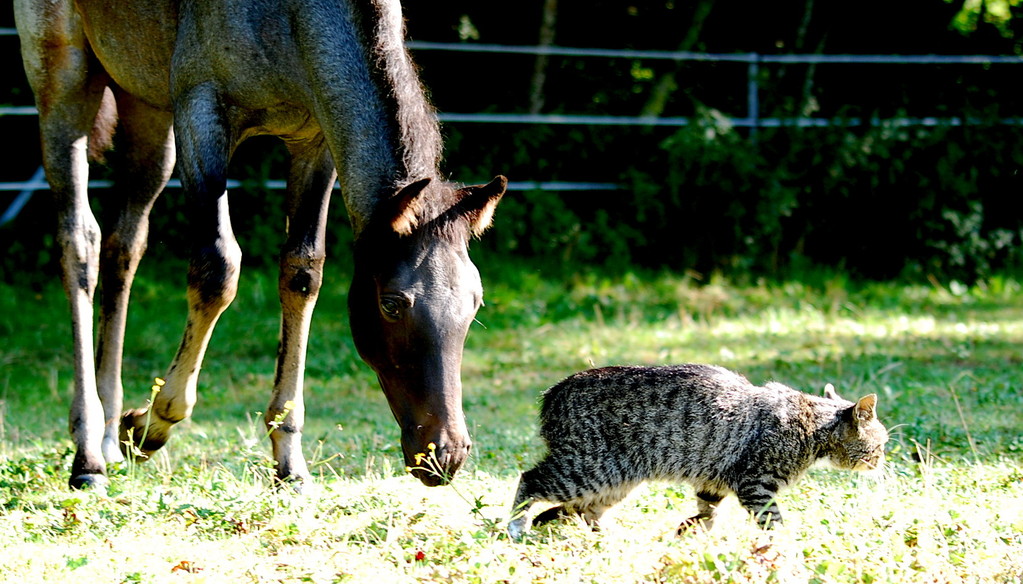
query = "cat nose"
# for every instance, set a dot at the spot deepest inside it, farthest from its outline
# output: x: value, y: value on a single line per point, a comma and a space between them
x: 873, y: 461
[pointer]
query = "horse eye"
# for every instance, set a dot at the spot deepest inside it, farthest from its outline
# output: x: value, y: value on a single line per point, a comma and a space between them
x: 391, y: 307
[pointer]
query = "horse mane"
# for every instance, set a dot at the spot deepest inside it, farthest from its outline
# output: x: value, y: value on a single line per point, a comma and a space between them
x: 447, y: 219
x: 440, y: 215
x: 413, y: 118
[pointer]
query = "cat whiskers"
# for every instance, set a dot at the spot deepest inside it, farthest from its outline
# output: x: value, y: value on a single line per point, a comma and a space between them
x: 891, y: 431
x: 878, y: 471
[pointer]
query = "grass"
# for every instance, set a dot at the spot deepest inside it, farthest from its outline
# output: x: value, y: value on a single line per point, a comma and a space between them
x: 945, y: 360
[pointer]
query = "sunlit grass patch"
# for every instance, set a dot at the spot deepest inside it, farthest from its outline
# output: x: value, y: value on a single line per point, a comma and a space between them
x: 944, y: 359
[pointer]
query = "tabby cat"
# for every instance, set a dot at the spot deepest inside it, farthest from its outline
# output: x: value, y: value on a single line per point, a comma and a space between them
x: 609, y: 429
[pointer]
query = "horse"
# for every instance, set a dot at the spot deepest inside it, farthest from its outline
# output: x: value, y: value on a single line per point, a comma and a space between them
x: 170, y: 82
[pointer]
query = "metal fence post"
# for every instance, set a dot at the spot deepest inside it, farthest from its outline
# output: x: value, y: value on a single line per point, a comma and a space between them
x: 37, y: 182
x: 753, y: 95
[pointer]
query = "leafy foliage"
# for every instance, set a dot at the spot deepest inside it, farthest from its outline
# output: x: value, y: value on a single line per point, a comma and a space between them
x: 877, y: 201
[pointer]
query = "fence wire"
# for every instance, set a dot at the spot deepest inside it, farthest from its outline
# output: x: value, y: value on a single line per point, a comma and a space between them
x: 752, y: 120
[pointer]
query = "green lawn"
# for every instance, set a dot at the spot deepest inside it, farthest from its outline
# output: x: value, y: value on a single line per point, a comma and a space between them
x: 945, y: 359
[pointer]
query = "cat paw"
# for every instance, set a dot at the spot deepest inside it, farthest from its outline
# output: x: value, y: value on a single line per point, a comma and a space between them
x: 696, y: 522
x: 517, y: 527
x: 552, y: 514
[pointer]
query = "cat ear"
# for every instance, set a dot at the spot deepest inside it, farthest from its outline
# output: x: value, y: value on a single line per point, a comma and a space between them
x: 830, y: 393
x: 865, y: 409
x: 403, y: 210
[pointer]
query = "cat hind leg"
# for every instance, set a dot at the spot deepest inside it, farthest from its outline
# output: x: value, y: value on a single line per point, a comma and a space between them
x: 589, y: 511
x: 706, y: 506
x: 541, y: 483
x: 552, y: 514
x: 557, y: 484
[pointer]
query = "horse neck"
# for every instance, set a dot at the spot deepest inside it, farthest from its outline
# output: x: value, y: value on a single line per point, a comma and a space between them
x: 380, y: 127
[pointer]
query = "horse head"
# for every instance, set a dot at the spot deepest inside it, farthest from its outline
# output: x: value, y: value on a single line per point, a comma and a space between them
x: 412, y: 298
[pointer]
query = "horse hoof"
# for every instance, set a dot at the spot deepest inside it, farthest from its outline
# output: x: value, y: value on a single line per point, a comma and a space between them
x: 136, y: 441
x: 295, y: 483
x: 89, y: 482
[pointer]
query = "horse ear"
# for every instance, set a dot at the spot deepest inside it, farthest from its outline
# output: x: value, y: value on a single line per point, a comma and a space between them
x: 479, y: 201
x: 403, y: 212
x: 830, y: 393
x: 866, y: 409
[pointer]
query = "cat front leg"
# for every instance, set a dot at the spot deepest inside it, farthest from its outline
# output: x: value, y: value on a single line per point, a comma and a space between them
x: 543, y: 482
x: 520, y: 522
x: 757, y: 497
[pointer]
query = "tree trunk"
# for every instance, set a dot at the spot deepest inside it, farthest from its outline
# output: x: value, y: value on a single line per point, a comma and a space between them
x: 536, y: 91
x: 667, y: 84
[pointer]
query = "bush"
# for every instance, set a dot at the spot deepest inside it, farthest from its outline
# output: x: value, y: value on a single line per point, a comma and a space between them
x: 877, y: 201
x: 874, y: 201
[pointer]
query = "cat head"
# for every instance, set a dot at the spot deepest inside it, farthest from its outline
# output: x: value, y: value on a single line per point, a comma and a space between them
x: 859, y: 437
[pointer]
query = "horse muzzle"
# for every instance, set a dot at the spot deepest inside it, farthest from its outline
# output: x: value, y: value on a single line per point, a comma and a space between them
x: 434, y: 438
x: 435, y: 457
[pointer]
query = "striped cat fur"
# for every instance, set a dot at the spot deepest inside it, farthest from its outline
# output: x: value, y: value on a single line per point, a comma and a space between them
x: 608, y: 430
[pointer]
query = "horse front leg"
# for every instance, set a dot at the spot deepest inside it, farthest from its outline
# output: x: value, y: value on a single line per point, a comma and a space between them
x: 78, y: 237
x: 68, y: 91
x: 203, y: 148
x: 301, y: 275
x: 143, y: 163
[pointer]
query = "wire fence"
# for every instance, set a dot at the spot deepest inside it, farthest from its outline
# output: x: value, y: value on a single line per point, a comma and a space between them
x: 752, y: 119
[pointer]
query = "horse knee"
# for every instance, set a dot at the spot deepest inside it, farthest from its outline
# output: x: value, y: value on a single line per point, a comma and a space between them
x: 286, y: 420
x: 301, y: 276
x: 79, y: 241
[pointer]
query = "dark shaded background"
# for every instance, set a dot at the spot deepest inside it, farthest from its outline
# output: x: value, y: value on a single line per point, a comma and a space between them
x: 879, y: 202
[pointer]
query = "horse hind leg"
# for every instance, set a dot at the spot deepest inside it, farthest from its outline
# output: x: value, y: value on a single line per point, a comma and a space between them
x: 68, y: 88
x: 143, y: 164
x: 214, y: 267
x: 301, y: 274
